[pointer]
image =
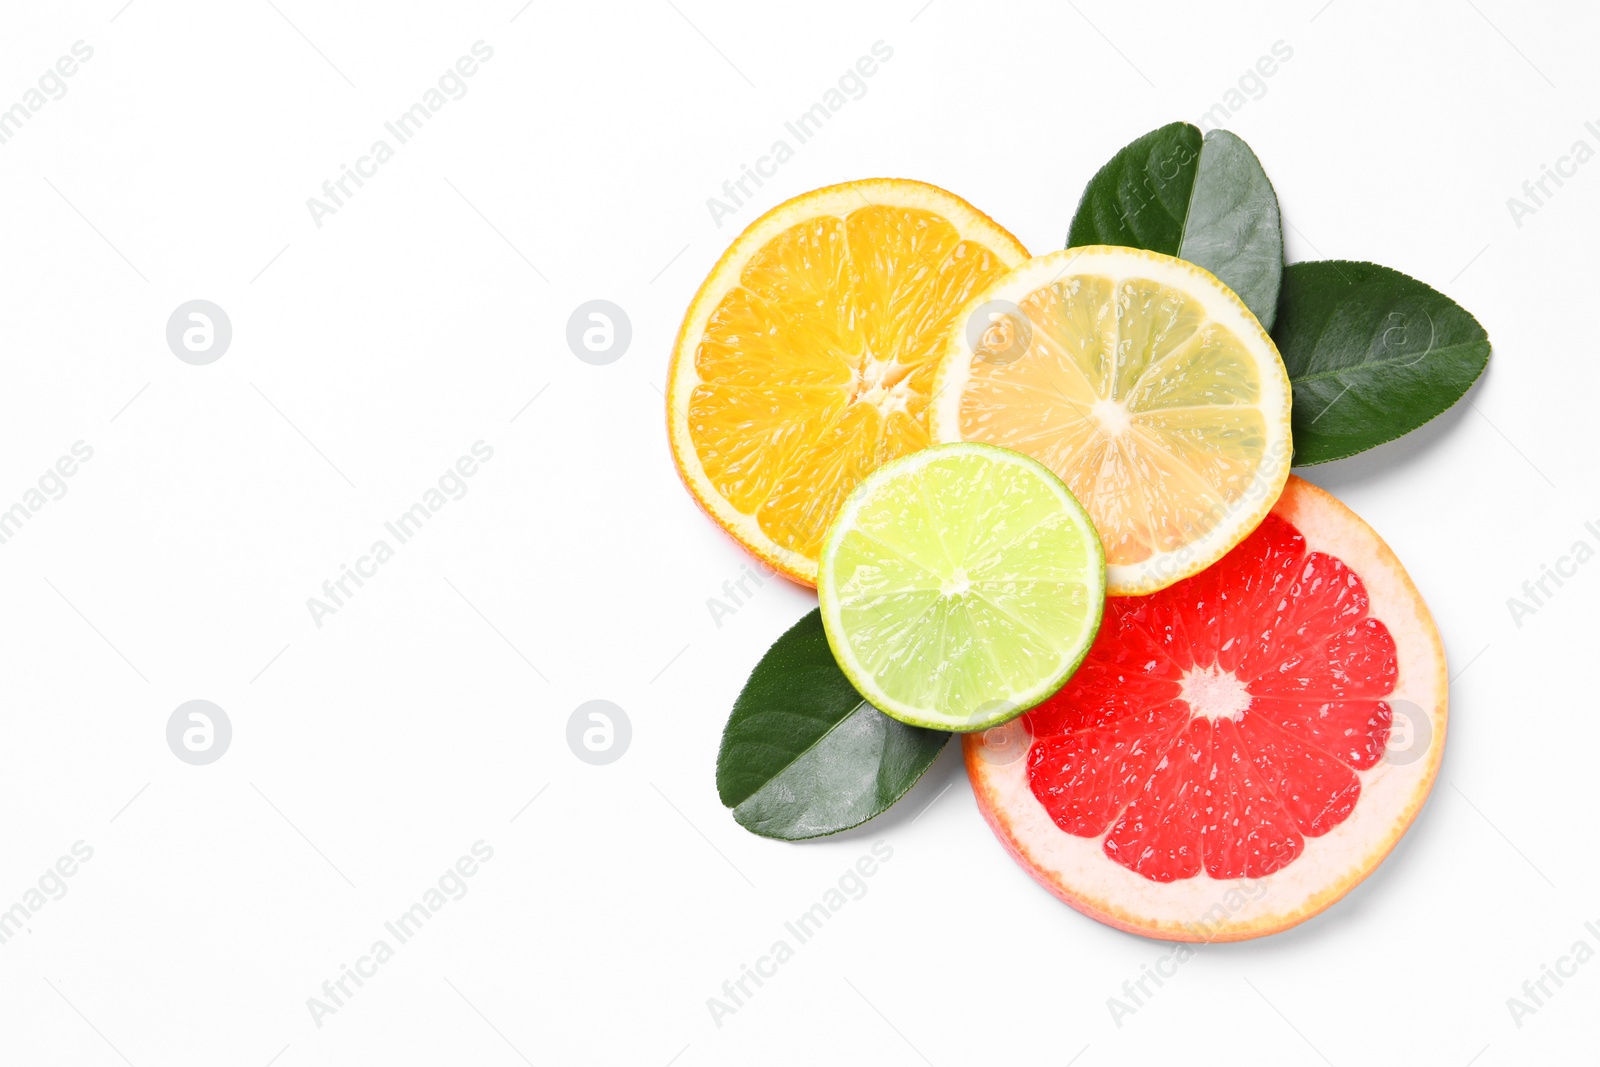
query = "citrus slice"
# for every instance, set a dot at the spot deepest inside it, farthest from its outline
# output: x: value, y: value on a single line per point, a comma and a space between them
x: 1145, y: 384
x: 807, y: 357
x: 1237, y: 751
x: 960, y: 586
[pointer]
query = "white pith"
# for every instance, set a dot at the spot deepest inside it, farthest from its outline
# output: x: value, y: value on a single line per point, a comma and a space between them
x: 1213, y: 693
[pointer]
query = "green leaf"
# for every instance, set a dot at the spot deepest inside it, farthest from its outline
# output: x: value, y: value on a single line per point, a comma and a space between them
x: 1372, y: 354
x: 803, y: 755
x: 1140, y: 199
x: 1203, y: 199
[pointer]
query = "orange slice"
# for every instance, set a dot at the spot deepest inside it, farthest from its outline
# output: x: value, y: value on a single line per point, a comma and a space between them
x: 806, y: 360
x: 1144, y: 384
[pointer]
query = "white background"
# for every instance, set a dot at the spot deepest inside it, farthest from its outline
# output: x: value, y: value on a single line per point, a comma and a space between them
x: 370, y: 353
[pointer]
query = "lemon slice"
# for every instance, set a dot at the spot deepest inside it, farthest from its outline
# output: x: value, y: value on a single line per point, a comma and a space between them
x: 807, y: 358
x: 1145, y: 384
x: 960, y: 586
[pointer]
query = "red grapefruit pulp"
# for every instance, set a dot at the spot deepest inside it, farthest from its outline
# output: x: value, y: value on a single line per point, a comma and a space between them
x: 1221, y: 766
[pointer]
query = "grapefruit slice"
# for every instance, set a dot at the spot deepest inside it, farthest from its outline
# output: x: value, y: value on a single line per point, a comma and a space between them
x: 1145, y: 384
x: 806, y: 360
x: 1237, y: 751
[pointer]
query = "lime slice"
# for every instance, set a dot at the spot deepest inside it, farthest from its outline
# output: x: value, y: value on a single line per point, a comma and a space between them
x: 960, y: 586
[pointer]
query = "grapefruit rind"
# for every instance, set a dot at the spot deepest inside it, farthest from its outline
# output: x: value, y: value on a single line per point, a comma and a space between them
x: 1224, y: 307
x: 682, y: 375
x: 1007, y: 705
x: 1203, y: 909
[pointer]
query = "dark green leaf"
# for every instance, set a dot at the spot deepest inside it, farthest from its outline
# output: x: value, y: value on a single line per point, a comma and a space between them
x: 803, y: 755
x: 1372, y: 354
x: 1140, y: 199
x: 1203, y: 199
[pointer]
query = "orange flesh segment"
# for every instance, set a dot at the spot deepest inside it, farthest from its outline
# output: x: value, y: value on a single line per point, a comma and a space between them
x: 816, y: 368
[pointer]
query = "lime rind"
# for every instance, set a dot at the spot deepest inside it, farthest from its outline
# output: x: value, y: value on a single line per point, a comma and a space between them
x: 960, y: 586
